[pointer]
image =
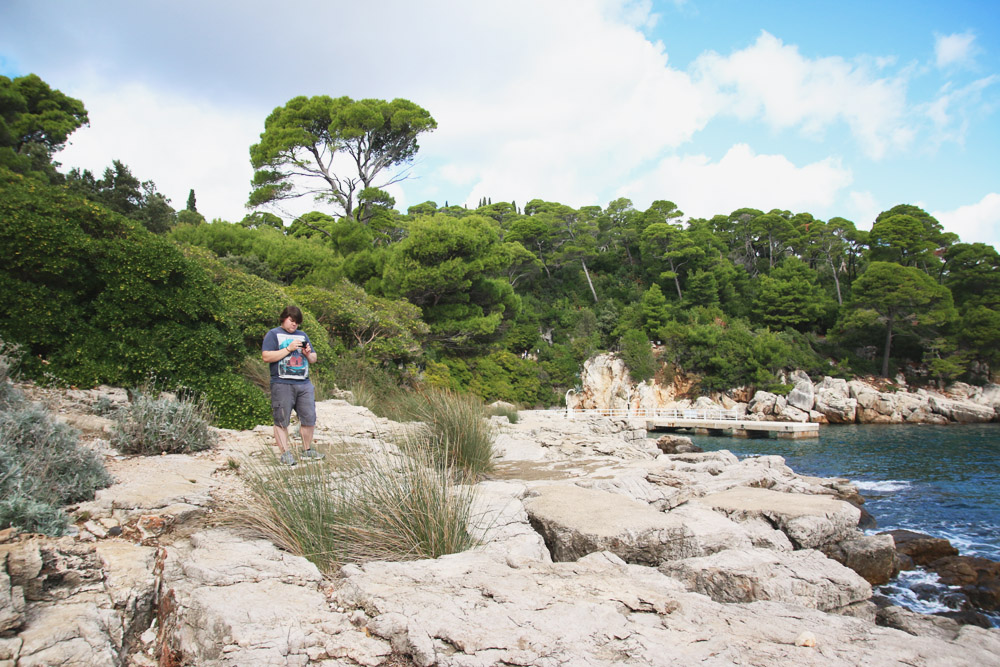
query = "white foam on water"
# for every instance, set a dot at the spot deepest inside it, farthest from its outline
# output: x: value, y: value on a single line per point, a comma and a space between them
x: 905, y: 597
x: 885, y: 486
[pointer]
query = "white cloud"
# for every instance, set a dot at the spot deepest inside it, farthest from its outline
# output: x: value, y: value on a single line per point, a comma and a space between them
x: 565, y: 99
x: 950, y: 113
x: 774, y: 81
x: 702, y: 188
x: 864, y: 208
x: 525, y: 107
x: 176, y: 143
x: 974, y: 223
x: 574, y: 122
x: 955, y: 49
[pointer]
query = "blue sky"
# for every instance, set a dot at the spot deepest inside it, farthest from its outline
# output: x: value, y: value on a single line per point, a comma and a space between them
x: 837, y: 109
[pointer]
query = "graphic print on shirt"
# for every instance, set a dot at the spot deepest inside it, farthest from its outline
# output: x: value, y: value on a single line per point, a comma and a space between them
x: 295, y: 366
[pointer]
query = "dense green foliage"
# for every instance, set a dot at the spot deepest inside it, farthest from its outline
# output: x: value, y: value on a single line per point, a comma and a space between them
x: 498, y: 300
x: 35, y: 122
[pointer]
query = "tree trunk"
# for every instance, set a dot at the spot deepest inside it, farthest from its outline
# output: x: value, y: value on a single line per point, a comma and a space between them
x: 836, y: 281
x: 589, y: 282
x: 677, y: 281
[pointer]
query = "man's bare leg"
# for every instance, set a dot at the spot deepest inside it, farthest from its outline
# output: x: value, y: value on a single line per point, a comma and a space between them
x: 307, y: 435
x: 281, y: 436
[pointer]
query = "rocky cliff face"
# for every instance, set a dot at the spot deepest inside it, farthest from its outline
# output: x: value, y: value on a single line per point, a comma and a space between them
x: 606, y: 384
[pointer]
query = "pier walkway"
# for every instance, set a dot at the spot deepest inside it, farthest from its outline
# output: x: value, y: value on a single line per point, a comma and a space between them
x: 708, y: 422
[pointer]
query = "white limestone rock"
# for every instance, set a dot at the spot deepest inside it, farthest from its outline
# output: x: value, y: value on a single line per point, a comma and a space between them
x: 469, y: 610
x: 575, y: 522
x: 11, y: 599
x: 809, y: 521
x: 803, y: 395
x: 804, y: 577
x: 962, y: 412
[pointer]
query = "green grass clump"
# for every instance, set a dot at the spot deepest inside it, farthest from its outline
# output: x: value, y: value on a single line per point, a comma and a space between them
x: 457, y: 432
x: 503, y: 411
x: 162, y: 424
x: 455, y: 428
x: 359, y: 506
x: 42, y: 466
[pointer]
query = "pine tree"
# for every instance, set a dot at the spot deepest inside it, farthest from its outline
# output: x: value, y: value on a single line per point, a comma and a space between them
x: 191, y: 206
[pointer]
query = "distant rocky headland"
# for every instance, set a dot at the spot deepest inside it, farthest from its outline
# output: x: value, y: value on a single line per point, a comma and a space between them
x: 596, y: 548
x: 606, y: 383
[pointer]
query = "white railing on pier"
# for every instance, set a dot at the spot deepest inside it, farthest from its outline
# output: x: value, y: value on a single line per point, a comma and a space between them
x: 655, y: 413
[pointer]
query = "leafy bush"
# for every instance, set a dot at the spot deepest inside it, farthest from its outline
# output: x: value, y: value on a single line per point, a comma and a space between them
x: 287, y: 258
x: 729, y: 353
x: 499, y: 376
x: 42, y: 466
x: 384, y: 330
x: 100, y: 299
x: 164, y: 424
x: 637, y: 354
x: 356, y: 507
x: 236, y: 403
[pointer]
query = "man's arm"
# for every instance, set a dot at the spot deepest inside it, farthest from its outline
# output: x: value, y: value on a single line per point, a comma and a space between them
x: 270, y: 356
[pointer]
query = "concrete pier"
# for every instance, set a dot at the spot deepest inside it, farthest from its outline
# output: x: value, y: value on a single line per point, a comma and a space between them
x: 705, y: 422
x: 737, y: 427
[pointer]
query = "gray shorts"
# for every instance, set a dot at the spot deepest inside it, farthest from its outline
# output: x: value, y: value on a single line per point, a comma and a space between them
x: 300, y: 396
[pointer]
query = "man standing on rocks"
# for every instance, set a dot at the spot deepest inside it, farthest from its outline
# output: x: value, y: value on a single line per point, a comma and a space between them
x: 289, y: 352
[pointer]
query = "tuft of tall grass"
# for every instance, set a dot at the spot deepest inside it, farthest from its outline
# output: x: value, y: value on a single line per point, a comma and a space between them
x: 454, y: 425
x: 509, y: 412
x: 156, y: 424
x: 457, y: 432
x: 359, y: 506
x: 257, y: 371
x: 42, y: 466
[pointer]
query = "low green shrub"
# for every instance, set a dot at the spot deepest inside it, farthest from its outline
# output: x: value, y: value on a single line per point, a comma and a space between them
x: 163, y: 424
x: 236, y: 402
x: 779, y: 389
x: 359, y: 506
x: 42, y: 466
x: 32, y: 516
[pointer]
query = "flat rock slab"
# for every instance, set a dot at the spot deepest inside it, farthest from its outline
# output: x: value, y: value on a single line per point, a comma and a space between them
x: 469, y: 610
x: 804, y: 577
x: 242, y: 602
x: 810, y: 521
x: 576, y: 521
x: 180, y: 479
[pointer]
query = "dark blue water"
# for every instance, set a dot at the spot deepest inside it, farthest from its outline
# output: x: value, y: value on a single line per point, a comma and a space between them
x: 939, y: 480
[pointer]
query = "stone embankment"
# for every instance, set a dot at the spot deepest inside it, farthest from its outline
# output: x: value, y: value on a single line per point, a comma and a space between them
x: 606, y: 384
x: 596, y: 549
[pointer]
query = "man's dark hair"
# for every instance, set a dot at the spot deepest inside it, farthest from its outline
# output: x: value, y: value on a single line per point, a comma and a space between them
x: 292, y: 312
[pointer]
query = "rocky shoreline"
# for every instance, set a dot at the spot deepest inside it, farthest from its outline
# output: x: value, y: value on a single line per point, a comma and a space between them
x: 606, y: 384
x: 596, y: 548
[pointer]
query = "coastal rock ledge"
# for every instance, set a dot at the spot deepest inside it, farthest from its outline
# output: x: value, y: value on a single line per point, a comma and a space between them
x: 606, y: 385
x: 595, y: 550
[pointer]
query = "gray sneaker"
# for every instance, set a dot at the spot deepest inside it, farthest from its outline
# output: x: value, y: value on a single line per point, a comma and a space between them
x: 312, y: 455
x: 288, y: 459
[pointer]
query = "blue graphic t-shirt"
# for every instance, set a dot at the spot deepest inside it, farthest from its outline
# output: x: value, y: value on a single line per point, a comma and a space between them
x: 295, y: 366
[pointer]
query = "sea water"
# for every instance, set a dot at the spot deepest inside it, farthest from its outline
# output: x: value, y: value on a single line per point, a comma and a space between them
x: 940, y: 480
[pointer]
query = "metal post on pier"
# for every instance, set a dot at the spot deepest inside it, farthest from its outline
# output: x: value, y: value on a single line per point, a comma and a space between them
x: 569, y: 413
